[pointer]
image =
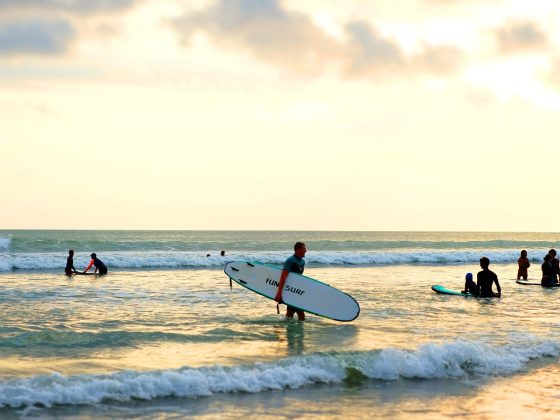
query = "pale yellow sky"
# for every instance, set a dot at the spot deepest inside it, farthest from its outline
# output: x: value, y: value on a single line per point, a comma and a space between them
x: 262, y: 114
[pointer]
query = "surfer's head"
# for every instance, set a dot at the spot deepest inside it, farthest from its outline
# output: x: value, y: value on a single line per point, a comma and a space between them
x: 469, y: 277
x: 547, y: 258
x: 71, y: 252
x: 93, y: 255
x: 484, y: 262
x: 552, y: 252
x: 300, y: 249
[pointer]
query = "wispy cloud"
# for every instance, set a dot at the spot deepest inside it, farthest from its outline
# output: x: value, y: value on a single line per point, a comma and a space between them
x: 37, y: 37
x: 76, y: 6
x: 272, y: 34
x: 521, y: 36
x: 291, y: 40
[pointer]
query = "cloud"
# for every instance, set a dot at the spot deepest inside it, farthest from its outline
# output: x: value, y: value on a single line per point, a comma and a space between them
x: 263, y: 28
x: 36, y: 37
x: 75, y: 6
x: 291, y: 40
x: 521, y: 36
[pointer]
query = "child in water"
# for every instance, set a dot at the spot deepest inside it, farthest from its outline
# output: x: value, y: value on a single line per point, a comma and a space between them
x: 470, y: 285
x: 524, y: 264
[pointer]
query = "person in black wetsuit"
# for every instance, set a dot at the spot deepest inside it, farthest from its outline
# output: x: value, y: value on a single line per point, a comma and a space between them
x: 98, y: 265
x: 484, y: 280
x: 69, y: 270
x: 548, y: 271
x: 556, y: 264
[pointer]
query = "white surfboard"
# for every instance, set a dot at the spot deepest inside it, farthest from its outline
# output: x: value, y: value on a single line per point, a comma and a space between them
x: 301, y: 292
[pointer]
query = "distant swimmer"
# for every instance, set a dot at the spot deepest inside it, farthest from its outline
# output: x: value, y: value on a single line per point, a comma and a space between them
x: 98, y: 265
x: 556, y: 264
x: 223, y: 253
x: 548, y: 272
x: 294, y: 264
x: 524, y: 264
x: 484, y: 280
x: 470, y: 285
x: 69, y: 270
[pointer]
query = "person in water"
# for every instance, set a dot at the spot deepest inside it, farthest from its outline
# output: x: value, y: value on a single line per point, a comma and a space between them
x: 98, y: 265
x: 470, y: 285
x: 484, y: 280
x: 294, y: 264
x: 548, y: 272
x: 69, y: 270
x: 524, y: 264
x: 556, y: 264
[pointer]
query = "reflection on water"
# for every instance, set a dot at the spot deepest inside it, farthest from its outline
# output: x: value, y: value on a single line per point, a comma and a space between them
x: 164, y: 320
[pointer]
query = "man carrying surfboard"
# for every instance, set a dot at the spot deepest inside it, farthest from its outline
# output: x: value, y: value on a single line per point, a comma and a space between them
x: 294, y: 264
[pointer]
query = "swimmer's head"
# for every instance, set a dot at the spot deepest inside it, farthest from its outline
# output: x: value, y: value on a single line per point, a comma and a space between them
x: 468, y: 276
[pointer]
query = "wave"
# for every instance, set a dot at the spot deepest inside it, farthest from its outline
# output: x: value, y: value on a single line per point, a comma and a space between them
x: 5, y: 243
x: 160, y: 259
x: 432, y: 361
x: 71, y: 339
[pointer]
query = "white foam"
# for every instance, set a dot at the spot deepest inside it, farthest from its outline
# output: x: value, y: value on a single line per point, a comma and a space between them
x: 162, y: 259
x: 456, y: 359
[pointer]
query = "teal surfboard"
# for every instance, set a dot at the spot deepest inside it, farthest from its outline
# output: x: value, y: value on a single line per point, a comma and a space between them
x: 445, y: 291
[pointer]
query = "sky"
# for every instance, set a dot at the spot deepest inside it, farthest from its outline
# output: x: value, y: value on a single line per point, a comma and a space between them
x: 281, y: 115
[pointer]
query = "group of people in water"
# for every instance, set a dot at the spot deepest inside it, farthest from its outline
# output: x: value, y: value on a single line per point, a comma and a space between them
x: 486, y: 278
x: 550, y: 268
x: 100, y: 267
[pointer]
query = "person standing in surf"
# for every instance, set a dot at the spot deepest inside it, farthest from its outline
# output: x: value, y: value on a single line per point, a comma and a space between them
x: 524, y: 264
x: 69, y: 270
x: 294, y: 264
x: 556, y: 264
x: 98, y: 265
x: 484, y: 280
x: 548, y: 272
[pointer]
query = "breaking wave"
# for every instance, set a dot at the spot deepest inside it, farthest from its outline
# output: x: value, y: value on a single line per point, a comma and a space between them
x: 431, y: 361
x: 175, y: 259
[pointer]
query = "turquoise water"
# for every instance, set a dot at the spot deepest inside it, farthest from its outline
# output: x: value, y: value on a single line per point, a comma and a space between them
x: 169, y: 341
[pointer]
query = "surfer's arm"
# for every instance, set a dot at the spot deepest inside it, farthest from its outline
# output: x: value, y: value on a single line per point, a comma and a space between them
x: 88, y: 267
x: 281, y: 284
x: 498, y: 286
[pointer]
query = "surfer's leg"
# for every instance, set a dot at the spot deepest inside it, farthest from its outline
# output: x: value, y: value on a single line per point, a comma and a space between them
x: 300, y: 315
x: 290, y: 312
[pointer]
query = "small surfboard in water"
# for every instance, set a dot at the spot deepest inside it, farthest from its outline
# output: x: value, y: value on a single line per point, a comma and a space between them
x: 532, y: 283
x: 445, y: 291
x: 301, y: 292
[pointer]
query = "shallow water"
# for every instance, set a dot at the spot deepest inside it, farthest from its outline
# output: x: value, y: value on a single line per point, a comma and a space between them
x: 174, y: 342
x: 92, y: 343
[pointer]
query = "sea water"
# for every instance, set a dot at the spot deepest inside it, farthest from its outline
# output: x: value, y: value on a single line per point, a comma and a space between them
x: 163, y: 335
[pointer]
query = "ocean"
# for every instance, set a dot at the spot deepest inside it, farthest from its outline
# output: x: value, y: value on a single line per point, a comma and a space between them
x: 163, y: 335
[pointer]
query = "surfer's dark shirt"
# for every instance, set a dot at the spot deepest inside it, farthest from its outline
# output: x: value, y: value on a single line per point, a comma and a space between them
x: 70, y: 263
x: 548, y: 274
x: 294, y: 264
x: 484, y: 280
x: 99, y: 265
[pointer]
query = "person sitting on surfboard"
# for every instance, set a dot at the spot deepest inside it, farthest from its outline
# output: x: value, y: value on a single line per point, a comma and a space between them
x: 484, y: 280
x: 548, y: 272
x: 69, y: 270
x: 294, y: 264
x: 98, y: 265
x: 470, y: 285
x: 524, y: 264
